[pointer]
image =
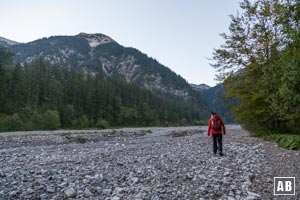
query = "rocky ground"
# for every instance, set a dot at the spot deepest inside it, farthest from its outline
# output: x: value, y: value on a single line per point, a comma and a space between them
x: 141, y: 163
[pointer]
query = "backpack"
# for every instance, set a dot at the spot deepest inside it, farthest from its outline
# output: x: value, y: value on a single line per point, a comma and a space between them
x: 216, y: 124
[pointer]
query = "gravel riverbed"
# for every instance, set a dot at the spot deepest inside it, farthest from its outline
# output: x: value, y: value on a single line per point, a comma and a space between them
x: 141, y: 163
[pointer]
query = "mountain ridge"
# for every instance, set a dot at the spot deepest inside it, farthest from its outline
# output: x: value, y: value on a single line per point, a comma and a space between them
x: 7, y: 42
x: 100, y: 53
x: 214, y: 97
x: 199, y: 87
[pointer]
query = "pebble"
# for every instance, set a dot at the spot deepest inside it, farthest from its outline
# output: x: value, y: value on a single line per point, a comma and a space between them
x: 50, y: 189
x: 153, y: 166
x: 87, y: 193
x: 253, y: 194
x: 71, y: 193
x: 30, y: 191
x: 43, y: 196
x: 106, y: 191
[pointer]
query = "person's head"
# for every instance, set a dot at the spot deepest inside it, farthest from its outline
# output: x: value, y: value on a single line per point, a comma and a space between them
x: 213, y: 113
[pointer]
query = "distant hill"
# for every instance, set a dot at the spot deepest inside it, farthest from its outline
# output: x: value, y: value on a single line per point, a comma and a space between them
x: 215, y: 99
x: 98, y: 81
x: 100, y: 53
x: 6, y: 42
x: 199, y: 88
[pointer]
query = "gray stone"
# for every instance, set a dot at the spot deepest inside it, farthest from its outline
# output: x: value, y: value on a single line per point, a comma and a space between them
x: 138, y: 196
x: 70, y: 193
x: 63, y: 184
x: 43, y: 196
x: 87, y: 193
x: 118, y: 190
x: 106, y: 191
x: 226, y: 174
x: 134, y: 180
x: 96, y: 177
x: 50, y: 189
x: 253, y: 194
x: 12, y: 193
x: 30, y: 191
x: 186, y: 169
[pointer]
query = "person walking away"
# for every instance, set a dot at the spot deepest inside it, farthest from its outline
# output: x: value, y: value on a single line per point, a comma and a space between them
x: 216, y: 127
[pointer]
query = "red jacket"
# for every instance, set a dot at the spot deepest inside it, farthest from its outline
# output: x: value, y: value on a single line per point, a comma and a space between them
x: 210, y: 130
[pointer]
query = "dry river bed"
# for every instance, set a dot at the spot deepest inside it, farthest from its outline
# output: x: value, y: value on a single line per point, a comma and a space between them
x: 141, y: 163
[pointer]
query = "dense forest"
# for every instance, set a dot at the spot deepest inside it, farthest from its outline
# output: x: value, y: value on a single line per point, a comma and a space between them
x: 40, y: 95
x: 260, y: 66
x: 76, y: 52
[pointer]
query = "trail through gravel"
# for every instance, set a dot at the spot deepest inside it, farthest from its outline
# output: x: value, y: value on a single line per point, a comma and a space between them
x: 141, y: 163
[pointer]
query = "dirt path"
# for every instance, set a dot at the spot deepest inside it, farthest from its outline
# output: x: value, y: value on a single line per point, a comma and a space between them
x: 141, y: 163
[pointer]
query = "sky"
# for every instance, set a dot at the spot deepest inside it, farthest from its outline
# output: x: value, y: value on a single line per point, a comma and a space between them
x: 180, y: 34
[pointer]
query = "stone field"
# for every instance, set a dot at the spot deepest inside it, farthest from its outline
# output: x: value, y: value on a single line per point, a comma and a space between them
x: 141, y: 163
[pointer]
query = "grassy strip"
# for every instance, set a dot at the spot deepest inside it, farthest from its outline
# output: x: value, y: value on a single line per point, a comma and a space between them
x: 291, y: 142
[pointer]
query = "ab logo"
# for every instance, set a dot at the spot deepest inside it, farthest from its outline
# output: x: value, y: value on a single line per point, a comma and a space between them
x: 284, y: 185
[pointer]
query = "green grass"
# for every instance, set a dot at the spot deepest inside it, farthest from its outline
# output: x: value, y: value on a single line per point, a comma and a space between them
x: 147, y: 131
x: 287, y: 141
x: 81, y: 140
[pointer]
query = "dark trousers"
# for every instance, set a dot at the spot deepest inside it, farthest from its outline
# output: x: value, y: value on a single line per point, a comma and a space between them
x: 217, y: 141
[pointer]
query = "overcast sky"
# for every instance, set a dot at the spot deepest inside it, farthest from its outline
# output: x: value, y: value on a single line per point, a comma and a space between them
x: 180, y: 34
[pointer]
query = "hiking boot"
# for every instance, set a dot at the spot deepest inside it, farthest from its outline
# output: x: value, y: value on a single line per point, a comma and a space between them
x: 221, y: 154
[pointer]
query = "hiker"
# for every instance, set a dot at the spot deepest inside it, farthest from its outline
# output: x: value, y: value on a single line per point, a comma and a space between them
x: 216, y: 127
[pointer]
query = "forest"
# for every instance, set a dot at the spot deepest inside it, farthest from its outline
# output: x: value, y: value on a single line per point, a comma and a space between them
x: 44, y: 96
x: 259, y: 64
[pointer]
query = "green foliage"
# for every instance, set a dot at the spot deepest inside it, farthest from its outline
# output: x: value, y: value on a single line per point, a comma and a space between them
x: 83, y: 122
x: 11, y: 123
x: 260, y: 66
x: 103, y: 124
x: 81, y: 140
x: 147, y: 131
x: 199, y: 123
x: 51, y: 120
x: 48, y: 96
x: 291, y: 142
x: 67, y: 115
x: 48, y: 120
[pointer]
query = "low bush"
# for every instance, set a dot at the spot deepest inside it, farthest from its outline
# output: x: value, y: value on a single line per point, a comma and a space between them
x: 103, y: 124
x: 287, y: 141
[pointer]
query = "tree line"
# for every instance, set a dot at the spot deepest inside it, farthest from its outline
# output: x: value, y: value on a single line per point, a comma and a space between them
x: 259, y: 64
x: 41, y: 95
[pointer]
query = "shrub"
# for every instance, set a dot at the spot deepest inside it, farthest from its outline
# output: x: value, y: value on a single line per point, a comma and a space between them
x: 83, y: 122
x: 101, y: 123
x: 291, y: 142
x: 67, y: 115
x: 49, y: 120
x: 11, y: 123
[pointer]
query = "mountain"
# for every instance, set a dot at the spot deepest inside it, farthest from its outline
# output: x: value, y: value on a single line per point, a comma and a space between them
x: 100, y: 53
x: 215, y: 99
x: 199, y: 88
x: 87, y: 81
x: 6, y: 42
